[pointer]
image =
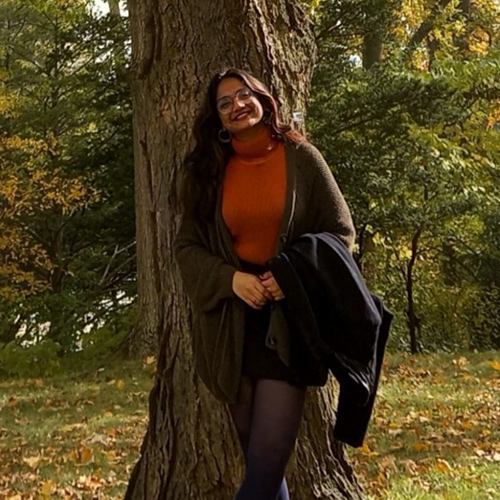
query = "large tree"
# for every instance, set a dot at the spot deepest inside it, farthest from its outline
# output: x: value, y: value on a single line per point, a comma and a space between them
x: 190, y: 449
x: 67, y: 256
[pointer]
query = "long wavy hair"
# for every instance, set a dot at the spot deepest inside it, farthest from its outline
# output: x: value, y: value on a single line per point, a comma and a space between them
x: 204, y: 166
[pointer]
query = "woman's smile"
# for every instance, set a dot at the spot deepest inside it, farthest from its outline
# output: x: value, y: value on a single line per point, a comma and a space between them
x: 241, y: 115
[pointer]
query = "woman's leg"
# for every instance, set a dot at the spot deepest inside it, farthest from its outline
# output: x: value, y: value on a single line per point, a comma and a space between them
x: 275, y: 422
x: 241, y: 412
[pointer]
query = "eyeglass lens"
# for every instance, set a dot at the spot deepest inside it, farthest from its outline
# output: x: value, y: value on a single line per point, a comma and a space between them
x: 225, y: 105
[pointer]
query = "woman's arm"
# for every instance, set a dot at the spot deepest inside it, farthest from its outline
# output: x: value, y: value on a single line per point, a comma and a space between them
x: 207, y: 278
x: 331, y: 212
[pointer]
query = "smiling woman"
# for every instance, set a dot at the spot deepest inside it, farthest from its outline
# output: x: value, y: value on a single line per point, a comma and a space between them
x: 239, y: 109
x: 252, y: 183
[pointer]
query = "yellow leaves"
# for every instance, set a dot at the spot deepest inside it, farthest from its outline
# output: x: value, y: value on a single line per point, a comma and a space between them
x: 86, y: 455
x: 48, y: 488
x: 149, y: 364
x: 72, y: 427
x: 110, y: 456
x: 493, y: 118
x: 14, y: 143
x: 461, y: 362
x: 495, y: 364
x: 111, y: 432
x: 150, y: 360
x: 366, y: 450
x: 443, y: 465
x: 411, y: 467
x: 120, y: 384
x: 467, y: 425
x: 82, y: 456
x: 479, y: 41
x: 29, y: 185
x: 12, y: 402
x: 33, y: 462
x: 419, y: 446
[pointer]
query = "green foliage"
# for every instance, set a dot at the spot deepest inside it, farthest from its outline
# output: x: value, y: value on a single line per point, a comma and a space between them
x: 67, y: 232
x: 414, y: 143
x: 107, y: 339
x: 39, y: 360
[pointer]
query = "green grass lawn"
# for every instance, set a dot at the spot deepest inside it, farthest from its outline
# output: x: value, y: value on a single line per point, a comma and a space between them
x: 434, y: 433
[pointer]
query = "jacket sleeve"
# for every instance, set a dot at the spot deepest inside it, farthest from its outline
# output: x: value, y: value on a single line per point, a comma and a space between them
x: 207, y: 278
x: 331, y: 211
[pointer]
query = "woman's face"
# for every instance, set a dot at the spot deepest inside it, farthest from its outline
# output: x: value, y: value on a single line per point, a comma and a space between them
x: 238, y: 108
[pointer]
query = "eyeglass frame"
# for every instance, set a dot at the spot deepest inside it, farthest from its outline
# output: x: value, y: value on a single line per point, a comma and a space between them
x: 236, y: 96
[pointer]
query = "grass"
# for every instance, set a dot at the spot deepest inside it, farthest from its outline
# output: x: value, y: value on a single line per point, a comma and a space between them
x: 434, y: 433
x: 72, y: 436
x: 435, y: 430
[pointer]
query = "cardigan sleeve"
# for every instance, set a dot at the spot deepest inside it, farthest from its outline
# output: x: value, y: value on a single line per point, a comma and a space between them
x: 207, y: 278
x: 331, y: 211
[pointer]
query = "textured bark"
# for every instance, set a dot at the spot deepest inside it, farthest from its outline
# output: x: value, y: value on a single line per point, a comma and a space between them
x: 373, y: 46
x: 372, y: 49
x: 190, y: 449
x: 412, y: 319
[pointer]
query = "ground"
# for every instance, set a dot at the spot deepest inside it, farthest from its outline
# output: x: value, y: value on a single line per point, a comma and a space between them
x: 434, y: 433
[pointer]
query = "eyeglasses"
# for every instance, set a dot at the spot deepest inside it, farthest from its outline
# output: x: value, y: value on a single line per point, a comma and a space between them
x: 225, y: 104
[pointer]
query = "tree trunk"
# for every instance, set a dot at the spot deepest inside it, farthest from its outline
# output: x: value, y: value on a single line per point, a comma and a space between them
x: 373, y: 46
x: 462, y: 40
x: 190, y: 450
x: 412, y: 318
x: 372, y: 49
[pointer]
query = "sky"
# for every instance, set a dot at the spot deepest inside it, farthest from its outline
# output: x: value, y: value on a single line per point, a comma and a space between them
x: 102, y: 7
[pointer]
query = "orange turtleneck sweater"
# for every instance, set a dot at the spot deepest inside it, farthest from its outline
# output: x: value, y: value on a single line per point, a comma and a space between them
x: 253, y: 196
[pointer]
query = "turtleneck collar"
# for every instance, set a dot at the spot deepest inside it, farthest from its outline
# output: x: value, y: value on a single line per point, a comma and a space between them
x: 258, y: 147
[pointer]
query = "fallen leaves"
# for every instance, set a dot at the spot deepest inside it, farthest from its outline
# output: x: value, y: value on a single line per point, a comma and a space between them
x: 85, y: 455
x: 48, y: 488
x: 427, y: 424
x: 366, y: 450
x: 13, y: 401
x: 443, y: 465
x: 495, y: 364
x: 120, y: 384
x: 434, y: 418
x: 33, y: 462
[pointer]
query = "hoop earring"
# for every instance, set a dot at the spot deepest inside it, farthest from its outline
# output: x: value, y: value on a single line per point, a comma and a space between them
x: 225, y: 139
x: 267, y: 117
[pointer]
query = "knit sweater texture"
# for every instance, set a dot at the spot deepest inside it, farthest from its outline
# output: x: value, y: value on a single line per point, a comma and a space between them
x: 253, y: 196
x: 207, y: 261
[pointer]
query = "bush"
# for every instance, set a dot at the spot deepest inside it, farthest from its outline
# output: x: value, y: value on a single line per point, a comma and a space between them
x: 38, y: 360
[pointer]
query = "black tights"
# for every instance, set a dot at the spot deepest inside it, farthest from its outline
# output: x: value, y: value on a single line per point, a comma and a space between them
x: 267, y: 417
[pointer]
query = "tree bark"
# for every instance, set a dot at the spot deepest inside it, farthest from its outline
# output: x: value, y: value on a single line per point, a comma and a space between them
x: 412, y: 318
x: 375, y: 25
x: 190, y: 449
x: 372, y: 49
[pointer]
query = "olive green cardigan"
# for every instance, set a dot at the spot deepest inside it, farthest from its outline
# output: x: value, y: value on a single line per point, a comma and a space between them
x: 207, y: 261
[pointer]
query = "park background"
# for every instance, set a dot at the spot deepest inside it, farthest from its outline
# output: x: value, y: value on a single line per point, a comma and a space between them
x: 402, y: 97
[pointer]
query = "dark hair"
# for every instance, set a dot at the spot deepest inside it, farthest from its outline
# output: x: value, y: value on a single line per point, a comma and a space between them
x: 204, y: 166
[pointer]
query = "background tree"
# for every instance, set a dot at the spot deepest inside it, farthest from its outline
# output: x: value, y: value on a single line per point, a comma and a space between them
x: 68, y: 260
x: 410, y: 137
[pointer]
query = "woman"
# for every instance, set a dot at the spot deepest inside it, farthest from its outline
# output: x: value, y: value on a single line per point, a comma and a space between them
x: 252, y: 185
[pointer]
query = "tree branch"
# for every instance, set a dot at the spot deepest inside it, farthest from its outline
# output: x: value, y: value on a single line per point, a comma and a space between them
x: 427, y: 26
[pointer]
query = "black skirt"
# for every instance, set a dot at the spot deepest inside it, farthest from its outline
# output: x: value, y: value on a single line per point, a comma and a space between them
x: 260, y: 361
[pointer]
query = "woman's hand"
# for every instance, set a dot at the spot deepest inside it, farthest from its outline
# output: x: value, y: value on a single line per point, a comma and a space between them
x: 267, y: 279
x: 250, y: 289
